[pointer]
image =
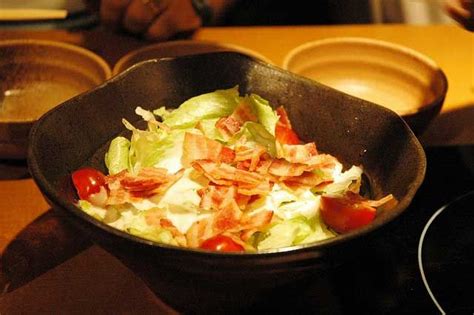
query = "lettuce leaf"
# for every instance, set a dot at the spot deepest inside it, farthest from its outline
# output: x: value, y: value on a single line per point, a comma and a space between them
x: 216, y: 104
x: 116, y: 158
x: 287, y: 233
x: 257, y: 133
x: 138, y: 227
x: 264, y: 112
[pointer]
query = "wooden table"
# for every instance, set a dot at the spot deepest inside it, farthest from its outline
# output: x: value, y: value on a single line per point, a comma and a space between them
x: 450, y: 46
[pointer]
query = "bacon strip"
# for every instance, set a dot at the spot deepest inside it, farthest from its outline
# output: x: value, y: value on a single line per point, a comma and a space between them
x: 243, y: 112
x: 199, y: 147
x: 252, y: 154
x: 379, y: 202
x: 226, y: 218
x: 228, y: 126
x: 283, y: 168
x: 298, y: 153
x: 223, y: 174
x: 307, y: 179
x: 125, y: 187
x: 263, y: 188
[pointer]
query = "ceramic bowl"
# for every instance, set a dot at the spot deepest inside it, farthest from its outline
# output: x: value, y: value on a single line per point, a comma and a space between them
x: 35, y: 76
x: 77, y: 133
x: 388, y: 74
x: 179, y: 48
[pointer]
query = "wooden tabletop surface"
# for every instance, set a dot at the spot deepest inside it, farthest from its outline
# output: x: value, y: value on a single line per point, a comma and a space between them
x: 22, y: 208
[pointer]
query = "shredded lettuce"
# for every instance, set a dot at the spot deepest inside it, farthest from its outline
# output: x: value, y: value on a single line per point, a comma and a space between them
x: 295, y: 231
x: 208, y: 128
x: 140, y: 228
x: 286, y: 233
x: 345, y: 181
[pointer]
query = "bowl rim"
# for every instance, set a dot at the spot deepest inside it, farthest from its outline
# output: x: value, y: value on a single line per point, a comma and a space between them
x: 29, y: 42
x: 51, y: 193
x: 99, y: 60
x: 384, y: 44
x: 119, y: 65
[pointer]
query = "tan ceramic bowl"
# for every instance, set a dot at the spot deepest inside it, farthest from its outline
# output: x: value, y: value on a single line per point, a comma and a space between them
x: 391, y: 75
x: 35, y: 76
x: 179, y: 48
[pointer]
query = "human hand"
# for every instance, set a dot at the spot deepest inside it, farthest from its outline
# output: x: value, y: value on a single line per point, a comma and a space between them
x: 154, y: 19
x: 462, y: 11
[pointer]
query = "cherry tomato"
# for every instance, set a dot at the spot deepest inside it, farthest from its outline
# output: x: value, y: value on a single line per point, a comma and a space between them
x: 222, y: 243
x: 283, y: 131
x: 286, y: 135
x: 88, y: 181
x: 344, y: 214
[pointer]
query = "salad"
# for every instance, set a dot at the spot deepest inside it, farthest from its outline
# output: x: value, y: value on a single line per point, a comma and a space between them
x: 223, y: 172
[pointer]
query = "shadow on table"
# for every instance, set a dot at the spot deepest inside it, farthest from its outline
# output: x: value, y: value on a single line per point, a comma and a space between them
x: 13, y: 169
x: 453, y: 127
x: 42, y: 245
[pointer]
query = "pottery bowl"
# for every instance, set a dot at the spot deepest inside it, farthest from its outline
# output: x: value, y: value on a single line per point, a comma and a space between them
x: 179, y: 48
x: 397, y: 77
x: 77, y: 133
x: 35, y: 76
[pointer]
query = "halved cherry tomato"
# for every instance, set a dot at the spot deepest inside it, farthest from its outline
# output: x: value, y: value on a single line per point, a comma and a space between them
x: 88, y: 181
x: 345, y: 214
x: 283, y: 131
x: 222, y: 243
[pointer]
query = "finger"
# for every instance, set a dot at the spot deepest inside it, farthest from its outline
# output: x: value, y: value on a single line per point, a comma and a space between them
x: 139, y: 15
x: 178, y: 17
x: 111, y: 11
x: 468, y: 5
x: 460, y: 14
x: 161, y: 29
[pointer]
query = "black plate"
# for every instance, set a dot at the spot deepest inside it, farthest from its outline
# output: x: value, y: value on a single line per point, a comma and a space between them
x: 446, y: 256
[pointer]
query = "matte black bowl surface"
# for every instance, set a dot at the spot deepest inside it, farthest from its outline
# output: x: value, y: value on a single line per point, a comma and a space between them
x: 357, y: 132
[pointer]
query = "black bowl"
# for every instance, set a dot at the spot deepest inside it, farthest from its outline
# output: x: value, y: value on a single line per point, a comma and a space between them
x: 357, y: 132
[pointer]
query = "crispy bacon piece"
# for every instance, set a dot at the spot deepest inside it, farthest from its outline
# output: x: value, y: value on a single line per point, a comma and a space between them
x: 253, y: 155
x: 298, y: 153
x: 263, y: 188
x: 227, y: 217
x: 283, y: 168
x: 148, y: 178
x: 358, y: 199
x: 228, y: 126
x: 125, y: 187
x: 154, y: 217
x: 307, y: 179
x: 227, y: 155
x: 257, y: 220
x: 243, y: 112
x: 212, y: 197
x: 224, y: 174
x: 157, y: 217
x: 263, y: 166
x: 199, y: 231
x: 322, y: 161
x: 199, y: 147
